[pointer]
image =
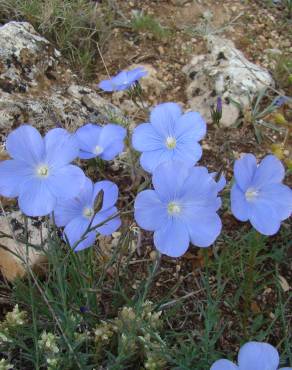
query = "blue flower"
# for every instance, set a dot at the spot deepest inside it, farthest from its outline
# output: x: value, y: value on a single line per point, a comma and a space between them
x: 258, y: 194
x: 280, y: 100
x: 39, y: 171
x: 219, y: 105
x: 77, y: 213
x: 123, y: 80
x: 170, y: 135
x: 253, y: 356
x: 100, y: 141
x: 181, y: 208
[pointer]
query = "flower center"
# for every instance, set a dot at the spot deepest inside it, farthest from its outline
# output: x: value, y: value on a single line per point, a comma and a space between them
x: 88, y: 212
x: 43, y: 171
x: 173, y: 208
x: 170, y: 142
x: 251, y: 194
x: 98, y: 150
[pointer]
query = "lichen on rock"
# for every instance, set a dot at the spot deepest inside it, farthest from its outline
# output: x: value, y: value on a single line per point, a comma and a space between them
x: 224, y: 72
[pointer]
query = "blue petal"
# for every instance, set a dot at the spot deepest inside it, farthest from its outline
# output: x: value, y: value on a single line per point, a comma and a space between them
x: 121, y: 81
x: 239, y: 205
x: 269, y: 171
x: 136, y: 73
x: 164, y: 117
x: 88, y: 138
x: 258, y: 356
x: 111, y: 193
x: 112, y: 151
x: 26, y: 144
x: 107, y: 85
x: 110, y: 226
x: 111, y: 139
x: 244, y: 170
x: 204, y: 227
x: 187, y: 152
x: 224, y: 365
x: 86, y: 155
x: 145, y: 138
x: 263, y: 217
x: 66, y: 182
x: 150, y: 212
x: 199, y: 186
x: 66, y: 210
x: 61, y: 147
x: 150, y: 160
x: 173, y: 238
x: 12, y: 174
x: 168, y: 180
x: 74, y: 232
x: 86, y: 193
x: 190, y: 128
x: 35, y: 198
x: 279, y: 196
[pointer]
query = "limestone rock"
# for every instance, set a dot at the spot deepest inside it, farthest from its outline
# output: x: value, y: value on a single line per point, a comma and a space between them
x: 12, y: 244
x: 36, y: 88
x: 24, y: 56
x: 224, y: 72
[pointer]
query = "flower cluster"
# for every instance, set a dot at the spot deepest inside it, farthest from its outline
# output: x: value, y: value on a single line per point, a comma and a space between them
x: 41, y: 176
x: 48, y: 343
x: 183, y: 205
x: 253, y: 356
x: 5, y: 365
x: 10, y: 325
x: 181, y: 208
x: 16, y: 317
x: 132, y: 327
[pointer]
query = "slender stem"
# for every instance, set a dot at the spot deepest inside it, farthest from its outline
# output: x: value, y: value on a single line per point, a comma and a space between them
x: 254, y: 245
x: 152, y: 274
x: 132, y: 156
x: 33, y: 310
x: 141, y: 100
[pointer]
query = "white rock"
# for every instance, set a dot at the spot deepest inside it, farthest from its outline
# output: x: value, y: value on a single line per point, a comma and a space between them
x: 36, y: 88
x: 24, y: 56
x: 224, y: 72
x: 13, y: 245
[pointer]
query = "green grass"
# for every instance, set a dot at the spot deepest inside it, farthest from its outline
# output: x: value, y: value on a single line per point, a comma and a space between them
x: 74, y: 26
x: 283, y: 72
x: 93, y: 290
x: 147, y: 23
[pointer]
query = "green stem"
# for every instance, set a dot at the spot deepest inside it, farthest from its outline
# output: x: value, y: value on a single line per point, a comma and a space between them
x: 132, y: 157
x: 253, y: 245
x: 152, y: 275
x: 33, y: 308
